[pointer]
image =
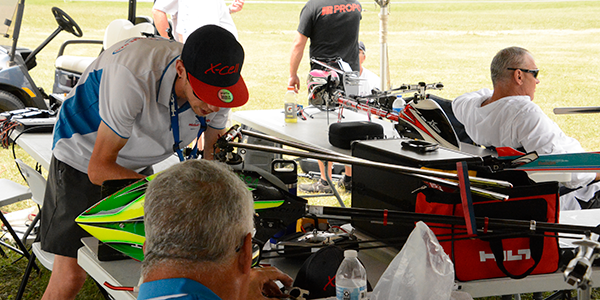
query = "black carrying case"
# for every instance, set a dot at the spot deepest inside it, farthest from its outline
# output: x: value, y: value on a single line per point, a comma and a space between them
x: 342, y: 134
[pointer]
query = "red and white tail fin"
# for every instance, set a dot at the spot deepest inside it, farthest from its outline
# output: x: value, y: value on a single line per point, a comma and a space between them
x: 508, y: 151
x: 429, y: 120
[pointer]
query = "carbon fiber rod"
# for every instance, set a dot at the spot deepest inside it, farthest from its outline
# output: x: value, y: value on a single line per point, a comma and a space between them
x: 337, y: 157
x: 378, y: 216
x: 427, y: 175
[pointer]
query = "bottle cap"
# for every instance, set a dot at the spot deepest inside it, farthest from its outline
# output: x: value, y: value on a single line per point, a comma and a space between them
x: 350, y: 253
x: 290, y: 88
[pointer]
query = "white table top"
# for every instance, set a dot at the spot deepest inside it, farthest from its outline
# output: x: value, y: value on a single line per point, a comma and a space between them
x: 118, y: 273
x: 314, y: 131
x: 38, y: 145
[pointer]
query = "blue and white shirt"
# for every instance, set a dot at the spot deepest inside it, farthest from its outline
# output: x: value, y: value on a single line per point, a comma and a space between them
x: 175, y: 288
x: 128, y: 87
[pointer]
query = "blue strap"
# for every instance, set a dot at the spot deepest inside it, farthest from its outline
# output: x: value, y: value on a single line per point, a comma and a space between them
x: 175, y: 127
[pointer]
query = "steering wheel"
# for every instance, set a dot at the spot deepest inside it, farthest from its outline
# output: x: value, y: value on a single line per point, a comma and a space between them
x: 66, y: 22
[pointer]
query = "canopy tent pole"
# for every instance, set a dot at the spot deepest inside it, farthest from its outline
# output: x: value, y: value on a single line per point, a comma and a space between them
x: 384, y: 70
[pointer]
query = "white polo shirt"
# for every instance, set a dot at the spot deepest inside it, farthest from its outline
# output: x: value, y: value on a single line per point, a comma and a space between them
x: 128, y: 87
x: 193, y: 14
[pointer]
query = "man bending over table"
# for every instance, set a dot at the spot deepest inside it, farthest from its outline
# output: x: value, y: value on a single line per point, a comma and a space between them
x: 137, y: 103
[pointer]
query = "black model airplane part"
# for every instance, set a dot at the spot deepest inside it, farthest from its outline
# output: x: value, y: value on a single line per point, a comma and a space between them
x: 226, y: 145
x: 291, y: 208
x: 269, y: 222
x: 272, y: 220
x: 294, y: 203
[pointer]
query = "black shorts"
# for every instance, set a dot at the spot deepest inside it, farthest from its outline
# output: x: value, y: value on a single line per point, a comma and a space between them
x: 68, y: 194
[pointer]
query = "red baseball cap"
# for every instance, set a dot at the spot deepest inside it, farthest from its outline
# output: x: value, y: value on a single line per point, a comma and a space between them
x: 213, y: 60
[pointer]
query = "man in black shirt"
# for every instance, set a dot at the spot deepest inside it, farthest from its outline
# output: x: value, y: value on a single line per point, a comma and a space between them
x: 332, y: 26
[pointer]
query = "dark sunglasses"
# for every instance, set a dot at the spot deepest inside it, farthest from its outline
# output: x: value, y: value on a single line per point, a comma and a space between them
x: 534, y: 72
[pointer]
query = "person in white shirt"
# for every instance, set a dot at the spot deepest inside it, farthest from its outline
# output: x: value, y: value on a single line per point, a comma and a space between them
x: 368, y: 79
x: 188, y: 15
x: 508, y: 117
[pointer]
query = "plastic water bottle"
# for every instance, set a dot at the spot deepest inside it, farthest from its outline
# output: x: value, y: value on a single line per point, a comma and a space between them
x: 398, y: 104
x: 290, y: 100
x: 351, y: 278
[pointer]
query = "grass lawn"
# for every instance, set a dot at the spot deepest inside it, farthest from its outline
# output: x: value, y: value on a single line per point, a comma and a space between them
x: 448, y: 41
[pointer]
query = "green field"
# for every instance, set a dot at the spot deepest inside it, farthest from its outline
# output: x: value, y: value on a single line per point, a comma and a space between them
x: 444, y: 41
x: 432, y: 41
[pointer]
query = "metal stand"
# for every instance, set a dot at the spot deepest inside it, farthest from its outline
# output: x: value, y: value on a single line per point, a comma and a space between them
x: 330, y: 182
x: 579, y: 270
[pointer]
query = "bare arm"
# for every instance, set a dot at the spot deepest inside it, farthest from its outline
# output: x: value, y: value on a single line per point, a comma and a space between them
x: 161, y: 22
x: 236, y: 6
x: 103, y: 163
x: 295, y: 59
x: 210, y: 138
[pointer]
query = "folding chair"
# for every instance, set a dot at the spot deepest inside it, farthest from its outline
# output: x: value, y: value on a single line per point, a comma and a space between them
x: 37, y: 184
x: 12, y: 192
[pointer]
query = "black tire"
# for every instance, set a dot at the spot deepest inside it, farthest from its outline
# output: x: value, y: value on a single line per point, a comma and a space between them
x: 9, y: 102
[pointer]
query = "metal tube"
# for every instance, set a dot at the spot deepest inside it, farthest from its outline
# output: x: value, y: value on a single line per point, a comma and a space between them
x: 337, y: 157
x: 397, y: 168
x: 384, y: 66
x: 43, y: 45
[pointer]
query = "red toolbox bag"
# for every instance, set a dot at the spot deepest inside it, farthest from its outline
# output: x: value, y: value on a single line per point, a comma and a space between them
x: 512, y: 254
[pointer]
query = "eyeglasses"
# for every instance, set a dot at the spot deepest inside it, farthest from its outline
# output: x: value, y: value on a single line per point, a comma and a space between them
x: 533, y: 72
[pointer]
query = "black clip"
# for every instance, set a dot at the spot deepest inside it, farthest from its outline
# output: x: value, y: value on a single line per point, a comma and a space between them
x: 419, y: 146
x: 176, y: 146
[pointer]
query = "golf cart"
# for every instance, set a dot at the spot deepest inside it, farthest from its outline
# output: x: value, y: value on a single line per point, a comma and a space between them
x: 17, y: 88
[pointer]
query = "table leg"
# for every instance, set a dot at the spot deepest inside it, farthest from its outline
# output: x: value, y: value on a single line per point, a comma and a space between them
x: 333, y: 188
x: 20, y: 245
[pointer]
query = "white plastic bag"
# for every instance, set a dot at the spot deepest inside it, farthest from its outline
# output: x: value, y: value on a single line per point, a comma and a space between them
x: 421, y: 271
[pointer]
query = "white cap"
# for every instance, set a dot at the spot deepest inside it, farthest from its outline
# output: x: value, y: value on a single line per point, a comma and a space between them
x: 350, y: 253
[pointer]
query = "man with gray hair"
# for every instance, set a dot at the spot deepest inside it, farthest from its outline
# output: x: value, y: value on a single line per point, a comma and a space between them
x: 508, y: 117
x: 198, y: 218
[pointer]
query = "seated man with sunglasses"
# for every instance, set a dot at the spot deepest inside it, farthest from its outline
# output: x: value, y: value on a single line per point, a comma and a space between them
x: 199, y: 218
x: 508, y: 117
